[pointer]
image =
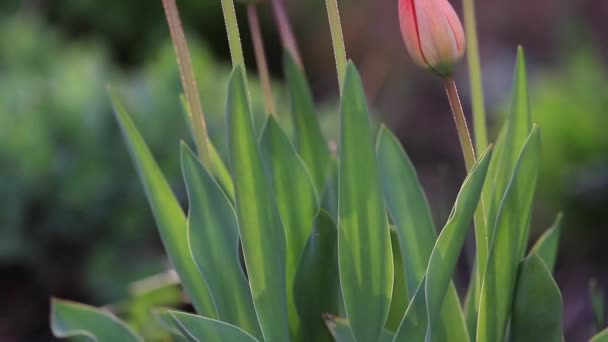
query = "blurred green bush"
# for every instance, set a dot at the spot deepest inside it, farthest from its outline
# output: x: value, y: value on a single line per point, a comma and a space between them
x: 71, y: 206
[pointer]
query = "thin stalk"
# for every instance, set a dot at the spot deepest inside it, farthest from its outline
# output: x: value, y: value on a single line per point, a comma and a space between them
x: 481, y: 231
x: 234, y: 37
x: 186, y: 71
x: 337, y: 39
x: 288, y: 39
x: 475, y: 75
x: 260, y: 57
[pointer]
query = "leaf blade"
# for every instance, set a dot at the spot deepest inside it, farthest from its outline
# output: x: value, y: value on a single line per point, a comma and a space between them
x: 201, y: 329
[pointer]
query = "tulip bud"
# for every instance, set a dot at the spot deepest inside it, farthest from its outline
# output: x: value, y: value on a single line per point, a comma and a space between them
x: 433, y: 34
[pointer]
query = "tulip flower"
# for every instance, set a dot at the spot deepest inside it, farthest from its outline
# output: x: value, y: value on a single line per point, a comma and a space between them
x: 433, y: 34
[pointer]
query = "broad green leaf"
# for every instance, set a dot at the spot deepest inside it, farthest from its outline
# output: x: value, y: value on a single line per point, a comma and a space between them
x: 219, y: 170
x: 364, y: 245
x: 450, y: 242
x: 214, y: 236
x: 537, y: 306
x: 170, y: 218
x: 414, y: 324
x: 198, y: 328
x: 512, y: 221
x: 342, y: 331
x: 518, y: 126
x: 600, y: 337
x: 309, y: 140
x: 260, y: 226
x: 167, y: 322
x: 297, y: 201
x: 547, y: 245
x: 409, y: 211
x: 317, y: 282
x: 70, y: 319
x: 400, y: 297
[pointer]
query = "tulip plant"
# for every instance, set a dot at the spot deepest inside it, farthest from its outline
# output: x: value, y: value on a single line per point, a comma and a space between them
x: 285, y: 240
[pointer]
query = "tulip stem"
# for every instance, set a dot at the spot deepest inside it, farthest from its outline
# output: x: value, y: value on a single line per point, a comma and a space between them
x: 337, y: 39
x: 288, y: 39
x: 184, y: 62
x: 260, y: 57
x: 234, y: 37
x: 479, y: 112
x: 461, y: 123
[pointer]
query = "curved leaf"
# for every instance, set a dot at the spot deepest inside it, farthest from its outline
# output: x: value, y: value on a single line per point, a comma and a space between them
x: 260, y: 226
x: 400, y: 297
x: 70, y: 319
x: 364, y: 245
x: 547, y: 245
x: 297, y: 201
x: 342, y: 332
x: 170, y: 218
x: 317, y: 281
x: 409, y: 211
x: 537, y: 305
x: 600, y: 337
x: 202, y: 329
x: 511, y: 224
x: 213, y: 236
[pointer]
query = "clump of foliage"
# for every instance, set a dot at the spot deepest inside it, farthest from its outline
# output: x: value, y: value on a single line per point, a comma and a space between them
x: 285, y: 240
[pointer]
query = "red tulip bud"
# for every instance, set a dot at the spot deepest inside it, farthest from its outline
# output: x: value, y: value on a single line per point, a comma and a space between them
x: 433, y: 34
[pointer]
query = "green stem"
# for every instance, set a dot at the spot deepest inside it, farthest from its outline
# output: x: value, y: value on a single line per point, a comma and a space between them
x: 288, y: 39
x: 475, y: 75
x: 186, y: 71
x: 260, y: 57
x: 337, y: 39
x: 234, y: 37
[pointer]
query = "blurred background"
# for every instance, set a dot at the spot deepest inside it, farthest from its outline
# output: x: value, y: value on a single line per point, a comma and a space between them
x: 74, y: 222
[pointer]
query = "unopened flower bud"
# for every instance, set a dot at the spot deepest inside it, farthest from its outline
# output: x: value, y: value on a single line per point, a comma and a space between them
x: 433, y: 34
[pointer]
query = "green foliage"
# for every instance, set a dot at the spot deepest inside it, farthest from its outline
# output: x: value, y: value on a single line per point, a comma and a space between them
x: 262, y: 260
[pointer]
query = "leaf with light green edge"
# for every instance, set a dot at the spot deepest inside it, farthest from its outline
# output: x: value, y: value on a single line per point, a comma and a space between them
x: 600, y: 337
x: 203, y: 329
x: 450, y: 242
x: 410, y: 213
x: 260, y: 226
x: 297, y: 200
x: 518, y: 126
x: 414, y: 323
x: 537, y: 305
x: 400, y: 297
x: 70, y: 319
x: 512, y: 221
x: 213, y: 234
x: 317, y: 284
x: 342, y: 331
x: 364, y: 243
x: 169, y: 216
x: 309, y: 140
x: 167, y: 322
x: 548, y: 244
x: 219, y: 170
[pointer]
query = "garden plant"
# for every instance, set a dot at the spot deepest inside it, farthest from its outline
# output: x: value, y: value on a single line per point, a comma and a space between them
x: 288, y: 239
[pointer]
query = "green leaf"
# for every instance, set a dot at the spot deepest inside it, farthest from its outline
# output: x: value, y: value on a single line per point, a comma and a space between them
x: 309, y: 140
x: 414, y: 324
x: 297, y: 201
x: 537, y: 306
x: 517, y: 129
x: 218, y: 167
x: 400, y: 297
x: 597, y: 303
x: 260, y: 226
x: 167, y: 322
x: 198, y: 328
x: 317, y: 282
x: 409, y: 211
x: 547, y: 245
x: 70, y: 319
x: 364, y: 245
x: 600, y: 337
x: 450, y: 242
x: 170, y: 218
x: 214, y: 236
x: 342, y: 331
x: 512, y: 221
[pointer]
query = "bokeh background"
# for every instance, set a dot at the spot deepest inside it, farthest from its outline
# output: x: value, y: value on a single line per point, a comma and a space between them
x: 74, y: 222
